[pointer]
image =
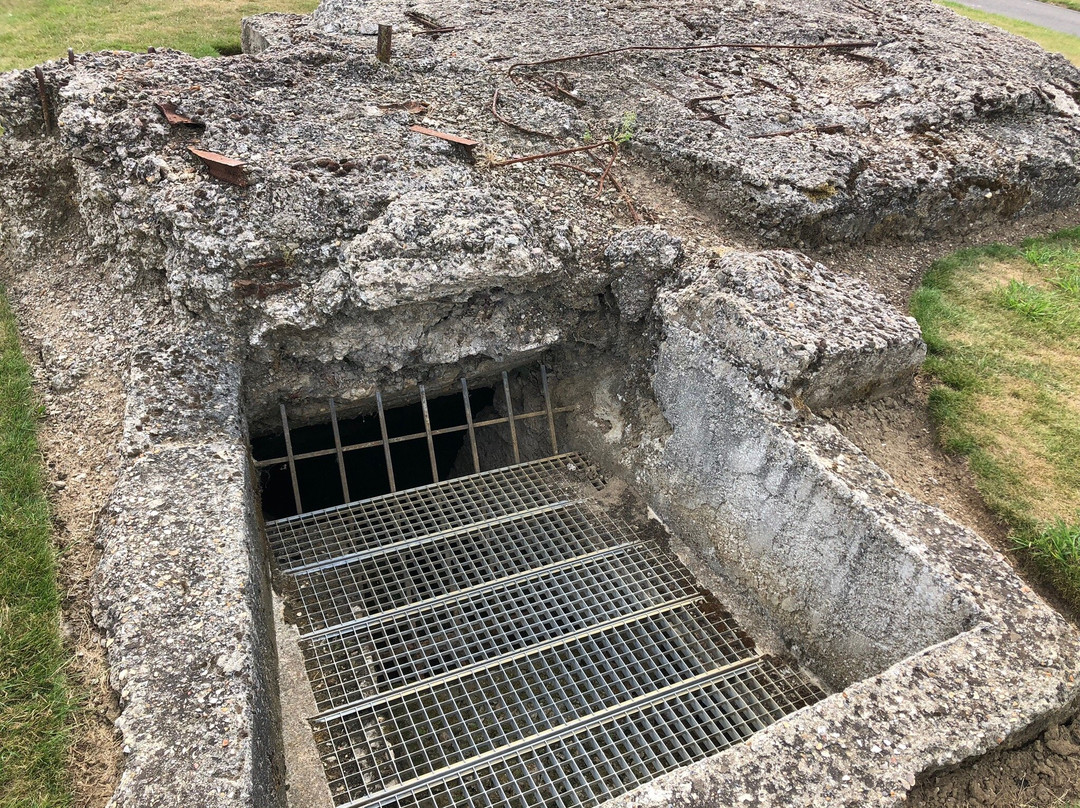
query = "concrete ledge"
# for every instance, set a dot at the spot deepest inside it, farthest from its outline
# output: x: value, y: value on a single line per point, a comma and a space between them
x: 799, y: 328
x: 939, y: 650
x: 182, y: 594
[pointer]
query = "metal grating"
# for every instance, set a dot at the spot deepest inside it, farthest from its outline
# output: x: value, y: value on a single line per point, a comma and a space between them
x: 586, y: 763
x: 310, y: 538
x: 428, y: 566
x: 499, y: 640
x: 380, y: 653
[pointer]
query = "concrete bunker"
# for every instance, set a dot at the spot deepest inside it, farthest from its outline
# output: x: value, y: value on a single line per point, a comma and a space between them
x: 694, y: 370
x: 419, y: 702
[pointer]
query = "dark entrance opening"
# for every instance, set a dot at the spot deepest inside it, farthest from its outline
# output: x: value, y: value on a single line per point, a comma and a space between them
x: 319, y: 478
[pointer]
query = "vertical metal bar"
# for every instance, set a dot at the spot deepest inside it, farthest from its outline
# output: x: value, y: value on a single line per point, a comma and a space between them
x: 382, y: 47
x: 469, y: 421
x: 340, y: 454
x: 292, y: 462
x: 430, y: 440
x: 385, y: 442
x: 510, y: 418
x: 547, y: 406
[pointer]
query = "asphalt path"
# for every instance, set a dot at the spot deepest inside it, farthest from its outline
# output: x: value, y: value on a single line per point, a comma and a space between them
x: 1055, y: 18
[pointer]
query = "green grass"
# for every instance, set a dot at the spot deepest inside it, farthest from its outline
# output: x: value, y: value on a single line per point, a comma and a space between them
x: 35, y: 31
x: 34, y: 702
x: 1003, y: 329
x: 1053, y: 41
x: 1075, y: 6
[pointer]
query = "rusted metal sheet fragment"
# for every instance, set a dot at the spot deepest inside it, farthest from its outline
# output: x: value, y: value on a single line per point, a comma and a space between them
x: 224, y: 168
x: 468, y: 143
x: 173, y: 116
x: 463, y: 145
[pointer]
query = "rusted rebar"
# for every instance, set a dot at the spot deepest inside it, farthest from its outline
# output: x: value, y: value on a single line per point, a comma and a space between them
x: 384, y: 44
x: 687, y: 48
x: 43, y: 98
x: 558, y: 153
x: 621, y: 189
x: 511, y: 124
x: 828, y: 129
x: 607, y: 169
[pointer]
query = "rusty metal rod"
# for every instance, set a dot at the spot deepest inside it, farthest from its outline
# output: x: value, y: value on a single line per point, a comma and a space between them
x: 558, y: 153
x: 446, y: 430
x: 385, y: 443
x: 427, y: 432
x: 340, y: 453
x: 384, y: 44
x: 510, y: 417
x: 684, y: 48
x: 547, y: 408
x: 622, y: 190
x: 469, y: 425
x: 43, y: 98
x: 292, y: 460
x: 511, y: 124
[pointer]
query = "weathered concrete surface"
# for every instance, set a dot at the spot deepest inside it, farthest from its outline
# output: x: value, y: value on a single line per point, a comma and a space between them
x: 182, y: 589
x: 182, y: 594
x: 798, y: 328
x: 364, y: 255
x: 939, y: 650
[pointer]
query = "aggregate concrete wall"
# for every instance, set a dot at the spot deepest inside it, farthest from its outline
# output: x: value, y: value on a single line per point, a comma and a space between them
x: 937, y: 648
x: 182, y: 591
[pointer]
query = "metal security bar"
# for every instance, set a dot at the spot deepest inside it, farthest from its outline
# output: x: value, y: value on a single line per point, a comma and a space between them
x: 500, y: 640
x: 429, y: 434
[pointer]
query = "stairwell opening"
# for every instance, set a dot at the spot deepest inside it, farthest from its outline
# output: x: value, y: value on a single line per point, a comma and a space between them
x: 406, y: 440
x: 488, y: 620
x: 366, y: 470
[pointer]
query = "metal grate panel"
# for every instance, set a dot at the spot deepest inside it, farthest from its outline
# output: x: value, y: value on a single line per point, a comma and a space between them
x: 432, y: 725
x: 418, y: 642
x: 498, y: 640
x: 423, y: 569
x: 321, y: 535
x: 593, y: 759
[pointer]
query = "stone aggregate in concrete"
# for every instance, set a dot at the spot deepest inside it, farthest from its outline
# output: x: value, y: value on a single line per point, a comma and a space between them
x: 363, y: 255
x: 799, y: 328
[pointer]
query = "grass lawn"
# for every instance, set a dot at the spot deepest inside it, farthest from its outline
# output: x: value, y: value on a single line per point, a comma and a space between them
x: 1003, y: 328
x: 35, y: 31
x: 34, y: 700
x: 1052, y: 41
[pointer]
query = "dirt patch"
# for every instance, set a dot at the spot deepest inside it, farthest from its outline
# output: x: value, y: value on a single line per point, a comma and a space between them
x: 897, y: 433
x: 1044, y: 773
x: 895, y: 268
x: 72, y: 342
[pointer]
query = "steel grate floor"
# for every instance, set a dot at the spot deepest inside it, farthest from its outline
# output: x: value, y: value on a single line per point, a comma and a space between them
x: 500, y: 640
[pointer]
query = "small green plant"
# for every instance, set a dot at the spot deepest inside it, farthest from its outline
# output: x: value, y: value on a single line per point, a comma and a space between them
x: 587, y: 138
x: 625, y: 131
